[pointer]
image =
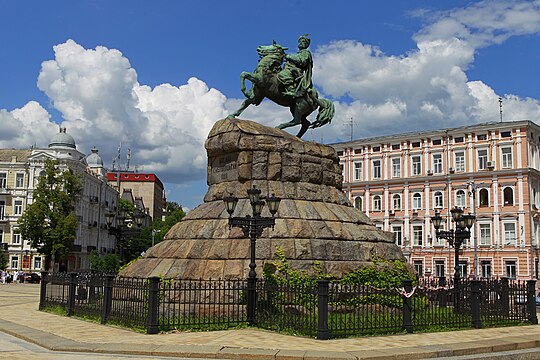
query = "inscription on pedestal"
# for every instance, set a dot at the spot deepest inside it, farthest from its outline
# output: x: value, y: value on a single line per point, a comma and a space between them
x: 224, y: 168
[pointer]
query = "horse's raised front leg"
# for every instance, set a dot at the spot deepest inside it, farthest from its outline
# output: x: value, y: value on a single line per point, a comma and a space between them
x: 243, y: 107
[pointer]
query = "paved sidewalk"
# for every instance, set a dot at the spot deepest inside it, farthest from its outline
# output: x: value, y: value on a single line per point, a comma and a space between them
x: 19, y: 317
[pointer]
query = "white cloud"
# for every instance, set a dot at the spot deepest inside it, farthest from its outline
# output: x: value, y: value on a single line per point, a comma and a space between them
x: 97, y: 92
x: 27, y: 126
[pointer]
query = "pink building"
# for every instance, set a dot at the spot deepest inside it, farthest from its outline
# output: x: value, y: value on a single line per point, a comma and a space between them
x: 491, y: 170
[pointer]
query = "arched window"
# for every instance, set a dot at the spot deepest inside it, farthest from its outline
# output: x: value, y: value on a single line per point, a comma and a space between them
x: 460, y: 199
x: 417, y: 201
x: 483, y: 197
x: 396, y: 202
x: 377, y: 203
x: 508, y: 195
x: 438, y: 199
x: 358, y: 203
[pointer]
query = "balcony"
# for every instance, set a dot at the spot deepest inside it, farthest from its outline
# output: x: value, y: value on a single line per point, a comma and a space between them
x: 4, y: 191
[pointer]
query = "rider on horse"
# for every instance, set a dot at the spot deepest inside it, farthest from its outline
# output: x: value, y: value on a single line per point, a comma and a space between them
x: 296, y: 75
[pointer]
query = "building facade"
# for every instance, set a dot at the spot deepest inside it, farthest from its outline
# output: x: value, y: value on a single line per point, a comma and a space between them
x: 21, y: 170
x: 146, y: 188
x: 490, y: 170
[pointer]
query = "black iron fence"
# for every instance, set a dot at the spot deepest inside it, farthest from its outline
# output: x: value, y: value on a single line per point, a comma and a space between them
x: 322, y: 309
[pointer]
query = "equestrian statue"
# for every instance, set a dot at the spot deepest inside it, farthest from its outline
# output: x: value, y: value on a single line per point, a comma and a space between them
x: 289, y: 85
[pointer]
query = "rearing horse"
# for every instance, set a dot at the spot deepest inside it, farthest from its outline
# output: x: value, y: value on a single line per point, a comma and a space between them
x: 265, y: 83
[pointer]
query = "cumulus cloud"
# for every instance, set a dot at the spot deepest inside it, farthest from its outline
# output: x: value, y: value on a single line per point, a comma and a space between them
x: 25, y: 127
x: 102, y: 103
x: 427, y: 87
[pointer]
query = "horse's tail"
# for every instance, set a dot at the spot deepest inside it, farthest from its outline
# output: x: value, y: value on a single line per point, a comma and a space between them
x: 326, y: 112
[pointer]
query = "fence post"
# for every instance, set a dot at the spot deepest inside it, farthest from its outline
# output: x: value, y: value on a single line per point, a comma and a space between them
x: 71, y: 292
x: 107, y: 298
x: 505, y: 297
x: 407, y: 306
x: 531, y: 303
x: 475, y: 303
x: 43, y: 290
x: 152, y: 326
x: 322, y: 310
x: 442, y: 294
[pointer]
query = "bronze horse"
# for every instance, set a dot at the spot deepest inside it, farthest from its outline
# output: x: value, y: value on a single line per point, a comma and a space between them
x: 265, y: 83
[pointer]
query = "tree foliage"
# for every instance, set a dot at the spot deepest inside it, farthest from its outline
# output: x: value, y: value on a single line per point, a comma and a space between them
x: 3, y: 259
x: 50, y: 222
x: 139, y: 244
x: 107, y: 263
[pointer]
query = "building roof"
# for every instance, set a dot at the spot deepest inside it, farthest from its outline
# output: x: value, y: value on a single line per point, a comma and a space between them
x: 94, y: 160
x: 134, y: 177
x: 6, y: 155
x: 62, y: 140
x: 439, y: 132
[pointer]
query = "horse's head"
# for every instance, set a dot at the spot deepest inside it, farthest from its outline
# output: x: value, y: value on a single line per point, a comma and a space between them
x: 274, y: 49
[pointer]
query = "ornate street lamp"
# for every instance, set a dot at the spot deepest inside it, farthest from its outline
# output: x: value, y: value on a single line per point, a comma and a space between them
x: 119, y: 224
x: 455, y: 238
x: 252, y: 226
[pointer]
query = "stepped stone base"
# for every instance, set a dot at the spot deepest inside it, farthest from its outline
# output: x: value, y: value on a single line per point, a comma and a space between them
x: 315, y: 220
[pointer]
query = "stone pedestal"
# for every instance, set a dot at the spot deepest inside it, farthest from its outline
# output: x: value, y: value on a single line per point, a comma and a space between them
x: 315, y: 220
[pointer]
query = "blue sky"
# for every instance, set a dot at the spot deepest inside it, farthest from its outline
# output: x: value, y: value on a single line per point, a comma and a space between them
x: 157, y: 74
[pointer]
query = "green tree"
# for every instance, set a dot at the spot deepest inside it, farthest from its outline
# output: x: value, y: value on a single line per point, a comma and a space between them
x: 138, y: 244
x: 108, y: 262
x: 50, y: 222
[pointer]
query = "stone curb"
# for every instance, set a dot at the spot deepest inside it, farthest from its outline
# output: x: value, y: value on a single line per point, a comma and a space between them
x: 529, y: 345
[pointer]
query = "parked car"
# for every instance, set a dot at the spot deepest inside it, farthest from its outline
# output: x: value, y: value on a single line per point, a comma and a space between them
x: 32, y: 278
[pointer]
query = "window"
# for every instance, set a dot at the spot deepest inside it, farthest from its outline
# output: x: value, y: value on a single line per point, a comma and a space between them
x: 486, y: 268
x: 506, y: 157
x: 438, y: 199
x: 460, y: 161
x: 395, y: 147
x: 357, y: 151
x: 458, y: 139
x: 342, y: 167
x: 16, y: 238
x: 419, y: 267
x: 508, y: 196
x: 376, y: 149
x: 17, y: 207
x: 357, y: 171
x: 463, y: 269
x: 396, y: 202
x: 1, y: 234
x: 439, y: 268
x: 376, y: 169
x: 416, y: 165
x: 19, y: 180
x: 482, y: 159
x: 417, y: 201
x: 510, y: 233
x: 3, y: 180
x: 358, y: 203
x: 510, y: 267
x: 397, y: 235
x: 2, y: 209
x: 484, y: 197
x: 437, y: 164
x: 416, y: 144
x: 14, y: 262
x: 460, y: 199
x: 396, y: 167
x: 506, y: 134
x: 37, y: 262
x: 377, y: 203
x: 485, y: 234
x: 481, y: 137
x: 437, y: 142
x: 418, y: 235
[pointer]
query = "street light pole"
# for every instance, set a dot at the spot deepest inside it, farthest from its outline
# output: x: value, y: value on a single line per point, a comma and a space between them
x: 154, y: 232
x: 455, y: 238
x: 122, y: 227
x: 252, y: 226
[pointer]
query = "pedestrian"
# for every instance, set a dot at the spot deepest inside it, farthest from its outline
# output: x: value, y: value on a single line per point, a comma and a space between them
x: 3, y: 276
x: 21, y: 276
